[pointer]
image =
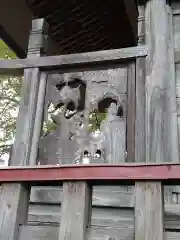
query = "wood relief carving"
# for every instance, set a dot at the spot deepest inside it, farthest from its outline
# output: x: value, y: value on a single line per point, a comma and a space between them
x: 89, y: 115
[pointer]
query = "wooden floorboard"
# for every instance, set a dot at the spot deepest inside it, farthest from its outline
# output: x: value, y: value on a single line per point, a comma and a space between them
x: 30, y: 232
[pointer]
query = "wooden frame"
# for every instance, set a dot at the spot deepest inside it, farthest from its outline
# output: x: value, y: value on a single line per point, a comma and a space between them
x: 129, y: 173
x: 72, y: 60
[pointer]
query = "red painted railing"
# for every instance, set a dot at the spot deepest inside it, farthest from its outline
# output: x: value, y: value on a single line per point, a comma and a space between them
x: 169, y: 173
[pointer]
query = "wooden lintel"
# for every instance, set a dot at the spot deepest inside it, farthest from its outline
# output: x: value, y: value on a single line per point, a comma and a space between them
x: 72, y: 60
x: 129, y: 173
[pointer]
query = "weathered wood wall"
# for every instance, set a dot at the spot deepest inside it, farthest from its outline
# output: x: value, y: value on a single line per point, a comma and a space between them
x: 176, y: 36
x: 113, y: 207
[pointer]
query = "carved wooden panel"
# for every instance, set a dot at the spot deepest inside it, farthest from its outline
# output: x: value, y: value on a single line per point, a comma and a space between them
x: 87, y: 114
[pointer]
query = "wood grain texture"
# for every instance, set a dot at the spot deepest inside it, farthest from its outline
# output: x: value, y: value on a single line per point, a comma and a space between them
x: 38, y: 119
x: 103, y: 196
x: 64, y: 61
x: 161, y: 116
x: 171, y: 52
x: 25, y: 121
x: 102, y: 216
x: 31, y: 232
x: 14, y: 198
x: 140, y: 138
x: 110, y: 196
x: 75, y: 211
x: 102, y: 84
x: 29, y: 97
x: 149, y: 211
x: 131, y: 112
x: 105, y: 174
x: 176, y: 30
x: 14, y: 201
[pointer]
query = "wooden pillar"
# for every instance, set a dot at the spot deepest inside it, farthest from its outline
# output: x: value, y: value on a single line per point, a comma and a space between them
x: 14, y: 198
x: 161, y: 115
x: 140, y: 152
x: 76, y: 211
x: 149, y: 212
x: 29, y: 98
x: 131, y: 112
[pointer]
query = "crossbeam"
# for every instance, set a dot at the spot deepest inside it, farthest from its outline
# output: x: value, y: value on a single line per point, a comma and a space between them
x: 126, y: 173
x: 15, y: 66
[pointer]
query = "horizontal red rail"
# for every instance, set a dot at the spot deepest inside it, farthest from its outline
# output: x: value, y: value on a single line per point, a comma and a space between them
x: 168, y: 173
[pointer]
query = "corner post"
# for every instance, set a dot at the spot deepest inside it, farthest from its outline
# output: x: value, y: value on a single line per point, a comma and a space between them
x: 14, y: 197
x: 140, y: 144
x: 29, y: 97
x: 161, y: 114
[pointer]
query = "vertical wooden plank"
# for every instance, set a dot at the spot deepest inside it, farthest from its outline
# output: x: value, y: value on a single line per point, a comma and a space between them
x: 14, y: 201
x: 161, y: 115
x: 42, y: 35
x: 76, y: 211
x: 172, y: 95
x: 131, y: 111
x: 29, y: 95
x: 140, y: 153
x: 38, y: 119
x: 173, y: 189
x: 176, y: 36
x: 14, y: 198
x: 149, y: 211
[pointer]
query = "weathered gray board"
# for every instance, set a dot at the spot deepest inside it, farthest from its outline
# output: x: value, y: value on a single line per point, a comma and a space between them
x: 94, y: 233
x: 113, y: 206
x: 117, y: 223
x: 176, y: 29
x: 113, y: 215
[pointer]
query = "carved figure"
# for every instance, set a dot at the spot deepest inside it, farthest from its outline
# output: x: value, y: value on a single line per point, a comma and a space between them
x: 68, y: 94
x: 85, y: 91
x: 60, y: 146
x: 90, y: 146
x: 113, y: 129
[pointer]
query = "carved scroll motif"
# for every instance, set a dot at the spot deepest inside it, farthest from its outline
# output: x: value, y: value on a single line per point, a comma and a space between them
x: 89, y: 110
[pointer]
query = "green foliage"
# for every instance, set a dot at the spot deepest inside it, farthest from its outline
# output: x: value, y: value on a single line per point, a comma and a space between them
x: 49, y: 127
x: 9, y: 102
x: 5, y: 52
x: 95, y: 120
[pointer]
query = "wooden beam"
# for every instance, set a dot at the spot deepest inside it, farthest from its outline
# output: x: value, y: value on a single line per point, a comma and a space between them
x: 161, y: 115
x: 72, y: 60
x: 149, y: 211
x: 169, y: 173
x: 75, y: 211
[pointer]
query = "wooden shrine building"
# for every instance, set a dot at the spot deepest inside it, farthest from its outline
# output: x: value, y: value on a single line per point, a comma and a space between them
x: 96, y: 154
